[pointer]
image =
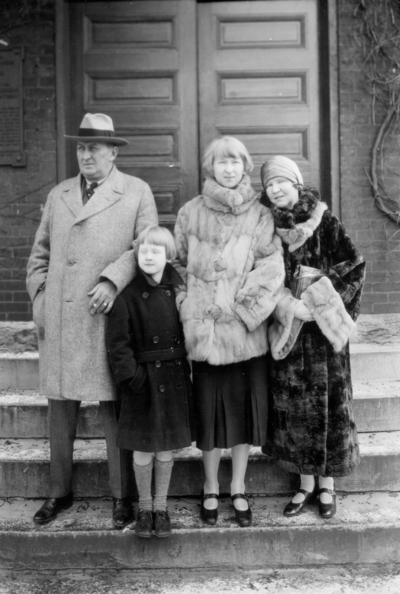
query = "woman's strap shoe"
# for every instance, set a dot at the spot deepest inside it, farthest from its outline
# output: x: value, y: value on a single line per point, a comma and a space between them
x: 209, y: 516
x: 243, y: 517
x: 327, y: 510
x: 294, y: 509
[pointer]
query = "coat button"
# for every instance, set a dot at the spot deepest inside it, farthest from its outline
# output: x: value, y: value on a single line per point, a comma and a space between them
x: 155, y: 339
x: 161, y: 388
x: 178, y: 362
x: 157, y: 363
x: 145, y: 295
x: 168, y: 293
x: 177, y: 341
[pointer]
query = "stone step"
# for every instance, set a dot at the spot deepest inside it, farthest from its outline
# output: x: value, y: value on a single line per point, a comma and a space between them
x: 23, y: 414
x: 366, y: 529
x: 370, y: 362
x: 24, y: 469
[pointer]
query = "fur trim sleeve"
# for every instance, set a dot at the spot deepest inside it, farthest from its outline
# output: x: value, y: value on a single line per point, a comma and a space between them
x: 259, y: 295
x: 180, y: 263
x: 285, y: 328
x: 329, y: 312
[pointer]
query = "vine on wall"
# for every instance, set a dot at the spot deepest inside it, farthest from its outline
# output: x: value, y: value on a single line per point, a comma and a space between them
x: 379, y: 35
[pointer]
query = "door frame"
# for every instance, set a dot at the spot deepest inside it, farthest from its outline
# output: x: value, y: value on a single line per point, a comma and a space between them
x: 329, y: 70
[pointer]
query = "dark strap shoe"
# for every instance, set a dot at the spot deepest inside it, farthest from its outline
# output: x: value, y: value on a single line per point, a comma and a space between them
x: 243, y: 517
x: 209, y: 516
x: 122, y: 512
x: 294, y: 509
x: 144, y: 523
x: 162, y: 523
x: 327, y: 510
x: 51, y: 507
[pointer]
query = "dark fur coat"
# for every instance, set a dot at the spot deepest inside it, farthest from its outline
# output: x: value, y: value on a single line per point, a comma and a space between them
x: 311, y: 422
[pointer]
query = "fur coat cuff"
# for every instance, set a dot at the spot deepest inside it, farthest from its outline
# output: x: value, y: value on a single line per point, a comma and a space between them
x: 285, y: 328
x: 258, y: 297
x: 329, y: 312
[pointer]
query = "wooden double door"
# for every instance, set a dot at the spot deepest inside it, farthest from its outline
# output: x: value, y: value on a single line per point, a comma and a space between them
x: 175, y: 74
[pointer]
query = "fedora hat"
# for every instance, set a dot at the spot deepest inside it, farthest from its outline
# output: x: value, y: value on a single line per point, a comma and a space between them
x: 98, y: 127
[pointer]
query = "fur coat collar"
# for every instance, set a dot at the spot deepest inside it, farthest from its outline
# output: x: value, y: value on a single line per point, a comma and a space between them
x: 236, y: 201
x: 295, y: 226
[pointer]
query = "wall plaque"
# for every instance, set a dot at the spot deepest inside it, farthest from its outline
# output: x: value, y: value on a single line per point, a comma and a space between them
x: 11, y: 128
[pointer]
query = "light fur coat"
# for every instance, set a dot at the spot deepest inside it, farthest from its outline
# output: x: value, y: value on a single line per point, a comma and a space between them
x: 75, y: 247
x: 233, y: 265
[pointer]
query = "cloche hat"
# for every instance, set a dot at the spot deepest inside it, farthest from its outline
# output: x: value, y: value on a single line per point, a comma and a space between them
x: 98, y: 127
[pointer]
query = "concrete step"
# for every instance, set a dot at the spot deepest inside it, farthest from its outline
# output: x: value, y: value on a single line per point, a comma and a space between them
x: 372, y: 362
x: 366, y: 529
x: 23, y: 414
x: 377, y: 406
x: 24, y: 469
x: 369, y: 361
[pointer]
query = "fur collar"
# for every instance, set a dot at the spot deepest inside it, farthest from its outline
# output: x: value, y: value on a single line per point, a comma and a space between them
x: 295, y: 226
x: 235, y: 201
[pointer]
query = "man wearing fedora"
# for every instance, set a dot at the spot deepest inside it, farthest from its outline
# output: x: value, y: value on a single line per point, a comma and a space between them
x: 81, y: 259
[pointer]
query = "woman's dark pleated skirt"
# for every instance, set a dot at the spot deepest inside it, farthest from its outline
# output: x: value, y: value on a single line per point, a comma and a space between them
x: 231, y: 403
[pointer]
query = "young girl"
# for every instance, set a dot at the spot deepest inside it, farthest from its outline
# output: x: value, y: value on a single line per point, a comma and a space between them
x: 312, y: 430
x: 148, y: 360
x: 234, y: 267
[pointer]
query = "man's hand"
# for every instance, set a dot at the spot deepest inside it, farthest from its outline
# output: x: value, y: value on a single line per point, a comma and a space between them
x: 302, y: 312
x: 102, y: 297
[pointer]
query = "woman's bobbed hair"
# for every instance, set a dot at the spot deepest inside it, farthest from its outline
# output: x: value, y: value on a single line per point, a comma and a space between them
x: 227, y: 146
x: 156, y: 236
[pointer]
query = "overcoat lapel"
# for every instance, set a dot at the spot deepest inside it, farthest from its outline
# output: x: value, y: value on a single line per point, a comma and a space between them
x: 105, y: 196
x: 72, y: 195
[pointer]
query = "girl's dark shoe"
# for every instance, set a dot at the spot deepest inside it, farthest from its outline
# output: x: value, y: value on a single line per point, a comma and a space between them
x: 294, y: 509
x: 209, y: 516
x: 144, y: 523
x: 243, y: 518
x: 162, y: 523
x: 327, y: 510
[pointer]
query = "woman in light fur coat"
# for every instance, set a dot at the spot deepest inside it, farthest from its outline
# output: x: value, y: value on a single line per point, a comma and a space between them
x: 311, y: 422
x: 234, y: 272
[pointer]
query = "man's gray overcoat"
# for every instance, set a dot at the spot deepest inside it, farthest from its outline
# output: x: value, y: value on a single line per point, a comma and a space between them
x: 75, y: 247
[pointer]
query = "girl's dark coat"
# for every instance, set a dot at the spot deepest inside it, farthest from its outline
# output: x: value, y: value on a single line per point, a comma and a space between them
x: 311, y: 423
x: 148, y: 361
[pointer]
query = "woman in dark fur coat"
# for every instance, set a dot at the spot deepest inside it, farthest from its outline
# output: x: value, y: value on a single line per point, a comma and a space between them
x: 312, y: 429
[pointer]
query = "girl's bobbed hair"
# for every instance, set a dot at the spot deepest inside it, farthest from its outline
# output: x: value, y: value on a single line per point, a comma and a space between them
x: 156, y: 236
x: 227, y: 146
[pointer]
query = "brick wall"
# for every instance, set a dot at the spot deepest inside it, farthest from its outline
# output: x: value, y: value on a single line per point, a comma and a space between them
x: 23, y: 189
x: 372, y: 231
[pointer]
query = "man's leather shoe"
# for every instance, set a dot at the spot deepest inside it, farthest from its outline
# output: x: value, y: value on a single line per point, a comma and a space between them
x: 162, y: 523
x: 144, y: 523
x: 294, y: 509
x: 327, y: 510
x: 51, y: 507
x: 122, y: 512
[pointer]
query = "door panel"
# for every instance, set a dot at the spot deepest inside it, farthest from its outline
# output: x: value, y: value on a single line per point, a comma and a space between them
x: 258, y: 79
x: 138, y: 64
x: 257, y: 67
